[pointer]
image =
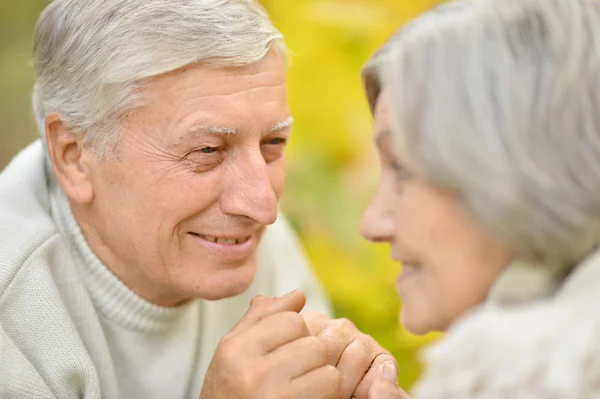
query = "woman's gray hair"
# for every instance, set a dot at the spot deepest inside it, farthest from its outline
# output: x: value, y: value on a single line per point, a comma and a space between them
x: 499, y: 102
x: 93, y: 57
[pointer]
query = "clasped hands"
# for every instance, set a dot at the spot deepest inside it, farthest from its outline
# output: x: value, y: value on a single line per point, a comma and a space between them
x: 275, y: 352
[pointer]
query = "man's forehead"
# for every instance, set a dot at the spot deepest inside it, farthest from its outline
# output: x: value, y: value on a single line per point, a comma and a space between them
x: 204, y: 79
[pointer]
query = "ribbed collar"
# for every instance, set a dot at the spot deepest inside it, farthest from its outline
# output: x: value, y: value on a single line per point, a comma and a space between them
x: 523, y: 282
x: 110, y: 295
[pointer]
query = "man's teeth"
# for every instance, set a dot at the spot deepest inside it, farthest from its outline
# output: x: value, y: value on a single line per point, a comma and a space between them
x: 226, y: 241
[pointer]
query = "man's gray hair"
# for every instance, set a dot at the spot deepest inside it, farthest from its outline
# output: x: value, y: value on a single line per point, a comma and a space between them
x: 93, y: 57
x: 499, y: 102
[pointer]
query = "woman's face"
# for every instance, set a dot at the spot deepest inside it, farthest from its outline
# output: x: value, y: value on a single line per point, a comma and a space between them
x: 449, y: 263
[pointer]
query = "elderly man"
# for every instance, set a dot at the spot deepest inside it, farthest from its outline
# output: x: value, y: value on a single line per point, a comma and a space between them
x: 133, y: 235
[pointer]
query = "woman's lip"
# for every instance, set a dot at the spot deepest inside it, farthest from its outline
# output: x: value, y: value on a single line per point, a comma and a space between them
x: 228, y: 252
x: 408, y: 271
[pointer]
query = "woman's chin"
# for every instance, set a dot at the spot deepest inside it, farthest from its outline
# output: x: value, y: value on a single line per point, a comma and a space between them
x: 415, y: 328
x: 416, y: 324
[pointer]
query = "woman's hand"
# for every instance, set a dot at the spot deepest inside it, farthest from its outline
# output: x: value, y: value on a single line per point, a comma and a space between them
x: 357, y: 356
x: 385, y: 383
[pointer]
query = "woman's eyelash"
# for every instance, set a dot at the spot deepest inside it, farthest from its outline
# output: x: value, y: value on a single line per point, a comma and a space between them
x: 401, y: 173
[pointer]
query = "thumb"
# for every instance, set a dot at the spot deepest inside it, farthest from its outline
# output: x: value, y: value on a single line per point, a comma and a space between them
x: 262, y: 307
x: 385, y: 384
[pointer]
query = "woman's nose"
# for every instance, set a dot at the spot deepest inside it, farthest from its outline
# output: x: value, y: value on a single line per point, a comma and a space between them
x: 378, y: 222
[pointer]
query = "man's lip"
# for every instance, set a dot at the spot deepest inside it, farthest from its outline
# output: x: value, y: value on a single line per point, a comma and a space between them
x: 229, y: 251
x: 240, y: 238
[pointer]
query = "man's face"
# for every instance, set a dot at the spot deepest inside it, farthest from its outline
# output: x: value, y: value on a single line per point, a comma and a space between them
x: 199, y: 173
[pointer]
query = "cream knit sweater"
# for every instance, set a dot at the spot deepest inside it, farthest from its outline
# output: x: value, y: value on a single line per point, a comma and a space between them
x: 70, y: 329
x: 537, y: 337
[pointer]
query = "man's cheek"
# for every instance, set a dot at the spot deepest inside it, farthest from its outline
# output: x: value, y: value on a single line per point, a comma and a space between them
x: 278, y: 181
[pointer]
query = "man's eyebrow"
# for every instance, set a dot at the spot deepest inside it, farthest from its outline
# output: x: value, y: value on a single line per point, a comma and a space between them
x: 230, y: 131
x: 217, y: 130
x: 284, y: 124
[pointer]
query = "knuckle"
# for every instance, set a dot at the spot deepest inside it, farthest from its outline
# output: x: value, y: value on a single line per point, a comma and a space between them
x: 384, y: 357
x: 225, y: 339
x: 257, y: 299
x: 369, y: 344
x: 312, y: 319
x: 346, y: 324
x: 295, y: 321
x: 247, y: 382
x: 339, y: 329
x: 359, y: 344
x: 227, y: 352
x: 360, y: 350
x: 250, y: 380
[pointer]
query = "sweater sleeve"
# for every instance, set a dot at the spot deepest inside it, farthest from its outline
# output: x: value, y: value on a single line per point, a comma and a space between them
x: 18, y: 377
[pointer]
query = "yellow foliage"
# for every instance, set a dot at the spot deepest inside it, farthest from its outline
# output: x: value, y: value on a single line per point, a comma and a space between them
x: 332, y: 165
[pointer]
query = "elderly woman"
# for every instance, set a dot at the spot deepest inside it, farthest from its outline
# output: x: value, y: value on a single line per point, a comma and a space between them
x: 488, y: 131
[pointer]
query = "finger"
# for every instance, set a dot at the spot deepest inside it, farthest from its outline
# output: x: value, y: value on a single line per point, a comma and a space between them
x: 262, y: 307
x: 321, y: 383
x: 298, y: 357
x: 385, y: 385
x: 337, y: 334
x: 316, y: 322
x: 375, y: 371
x: 356, y: 361
x: 272, y: 332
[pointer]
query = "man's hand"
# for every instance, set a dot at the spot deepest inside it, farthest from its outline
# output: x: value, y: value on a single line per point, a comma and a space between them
x: 357, y: 356
x: 271, y: 354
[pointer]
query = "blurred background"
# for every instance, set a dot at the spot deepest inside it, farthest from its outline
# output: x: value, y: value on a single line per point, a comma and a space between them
x: 332, y: 166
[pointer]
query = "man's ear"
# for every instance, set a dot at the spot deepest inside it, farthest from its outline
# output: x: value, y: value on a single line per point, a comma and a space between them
x: 67, y: 155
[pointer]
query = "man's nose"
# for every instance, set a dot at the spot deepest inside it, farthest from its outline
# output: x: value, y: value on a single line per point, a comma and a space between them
x: 250, y: 192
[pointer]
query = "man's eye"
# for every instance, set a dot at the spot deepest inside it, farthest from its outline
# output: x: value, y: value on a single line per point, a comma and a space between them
x: 277, y: 141
x: 208, y: 150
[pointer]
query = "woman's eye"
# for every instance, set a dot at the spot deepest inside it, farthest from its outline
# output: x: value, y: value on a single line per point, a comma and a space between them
x: 401, y: 173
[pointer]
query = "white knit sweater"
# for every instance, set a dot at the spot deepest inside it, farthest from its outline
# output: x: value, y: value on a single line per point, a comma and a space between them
x: 70, y: 329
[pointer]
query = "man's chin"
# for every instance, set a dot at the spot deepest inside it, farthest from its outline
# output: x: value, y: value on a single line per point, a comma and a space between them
x: 226, y: 282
